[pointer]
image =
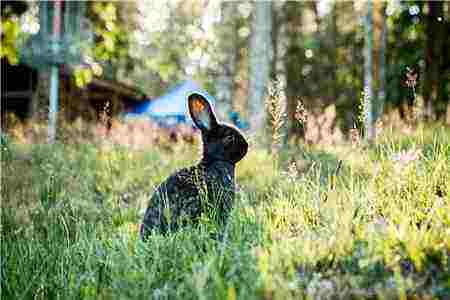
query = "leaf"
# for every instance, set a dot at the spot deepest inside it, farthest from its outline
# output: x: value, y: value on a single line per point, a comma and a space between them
x: 87, y: 74
x: 8, y: 47
x: 109, y: 43
x: 110, y: 12
x: 82, y: 76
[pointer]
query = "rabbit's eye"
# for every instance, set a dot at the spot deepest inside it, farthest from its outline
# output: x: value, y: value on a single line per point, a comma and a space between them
x: 228, y: 139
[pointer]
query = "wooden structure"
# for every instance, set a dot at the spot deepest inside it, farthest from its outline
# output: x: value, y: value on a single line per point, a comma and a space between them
x: 24, y: 92
x: 25, y: 89
x: 18, y: 84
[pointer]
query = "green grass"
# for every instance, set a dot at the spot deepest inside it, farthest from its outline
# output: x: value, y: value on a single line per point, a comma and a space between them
x: 378, y: 229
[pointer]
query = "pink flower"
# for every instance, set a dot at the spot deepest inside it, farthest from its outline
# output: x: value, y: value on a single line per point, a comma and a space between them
x: 405, y: 157
x: 411, y: 76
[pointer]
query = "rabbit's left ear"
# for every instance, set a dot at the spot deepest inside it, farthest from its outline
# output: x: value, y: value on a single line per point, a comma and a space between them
x: 201, y: 112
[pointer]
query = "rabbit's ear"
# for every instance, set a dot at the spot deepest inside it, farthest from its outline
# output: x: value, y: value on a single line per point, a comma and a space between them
x: 201, y: 112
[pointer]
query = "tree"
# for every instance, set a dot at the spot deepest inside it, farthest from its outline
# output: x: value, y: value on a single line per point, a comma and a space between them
x: 293, y: 60
x: 260, y: 54
x: 433, y: 55
x: 333, y: 94
x: 10, y: 29
x: 228, y: 57
x: 368, y: 90
x: 380, y: 34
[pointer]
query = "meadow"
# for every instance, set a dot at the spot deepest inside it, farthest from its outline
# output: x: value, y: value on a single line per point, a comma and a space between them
x: 343, y: 221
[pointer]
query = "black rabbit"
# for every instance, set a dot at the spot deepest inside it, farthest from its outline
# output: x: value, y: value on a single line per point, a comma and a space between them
x: 204, y: 189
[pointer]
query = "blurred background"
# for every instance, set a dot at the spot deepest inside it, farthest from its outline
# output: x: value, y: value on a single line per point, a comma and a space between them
x: 341, y: 65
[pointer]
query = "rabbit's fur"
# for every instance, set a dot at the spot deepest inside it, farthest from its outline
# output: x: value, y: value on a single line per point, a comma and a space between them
x: 206, y: 188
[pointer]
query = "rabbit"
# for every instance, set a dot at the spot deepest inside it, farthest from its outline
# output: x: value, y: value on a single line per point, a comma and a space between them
x: 207, y: 187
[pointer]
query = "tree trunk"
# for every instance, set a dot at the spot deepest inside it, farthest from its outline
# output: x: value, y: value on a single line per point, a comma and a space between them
x: 433, y: 55
x: 293, y: 61
x: 368, y: 67
x: 229, y: 38
x: 333, y: 55
x: 259, y: 69
x: 381, y: 41
x: 447, y: 119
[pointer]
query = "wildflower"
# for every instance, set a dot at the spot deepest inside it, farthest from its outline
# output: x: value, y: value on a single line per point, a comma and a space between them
x: 364, y: 105
x: 274, y: 103
x: 378, y: 127
x: 411, y: 77
x: 405, y: 157
x: 301, y: 114
x: 354, y: 135
x: 292, y: 171
x: 104, y: 116
x: 411, y: 82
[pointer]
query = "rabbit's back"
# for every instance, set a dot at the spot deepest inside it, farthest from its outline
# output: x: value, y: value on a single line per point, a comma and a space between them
x: 184, y: 196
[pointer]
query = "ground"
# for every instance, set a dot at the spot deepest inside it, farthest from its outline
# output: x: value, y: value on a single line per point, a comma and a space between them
x: 376, y: 227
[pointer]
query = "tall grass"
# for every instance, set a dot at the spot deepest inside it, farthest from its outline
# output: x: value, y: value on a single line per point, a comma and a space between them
x: 377, y: 226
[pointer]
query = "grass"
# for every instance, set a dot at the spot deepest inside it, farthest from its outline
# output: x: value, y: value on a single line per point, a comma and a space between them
x: 379, y: 228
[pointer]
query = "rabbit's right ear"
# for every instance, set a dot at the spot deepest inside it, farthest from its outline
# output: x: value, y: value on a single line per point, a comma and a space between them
x: 201, y: 112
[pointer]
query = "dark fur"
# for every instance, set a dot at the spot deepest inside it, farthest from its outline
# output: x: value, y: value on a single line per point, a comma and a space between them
x: 207, y: 188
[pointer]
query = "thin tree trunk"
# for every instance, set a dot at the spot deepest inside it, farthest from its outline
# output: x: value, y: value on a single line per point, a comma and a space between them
x: 380, y: 33
x: 259, y: 68
x: 368, y: 67
x: 382, y: 62
x: 352, y: 120
x: 333, y: 54
x: 433, y: 56
x: 447, y: 119
x: 292, y: 61
x: 229, y: 38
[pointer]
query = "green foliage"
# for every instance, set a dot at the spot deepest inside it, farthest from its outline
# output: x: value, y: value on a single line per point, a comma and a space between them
x: 82, y: 76
x: 10, y: 31
x: 110, y: 32
x: 152, y: 57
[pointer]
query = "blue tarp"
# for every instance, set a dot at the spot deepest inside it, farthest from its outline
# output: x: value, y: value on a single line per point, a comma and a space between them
x: 171, y: 108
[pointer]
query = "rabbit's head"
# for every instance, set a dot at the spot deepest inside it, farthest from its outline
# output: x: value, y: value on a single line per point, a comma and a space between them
x: 220, y: 141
